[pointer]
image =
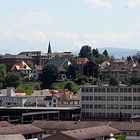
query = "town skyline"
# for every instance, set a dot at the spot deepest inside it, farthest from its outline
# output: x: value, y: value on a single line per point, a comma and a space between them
x: 30, y: 25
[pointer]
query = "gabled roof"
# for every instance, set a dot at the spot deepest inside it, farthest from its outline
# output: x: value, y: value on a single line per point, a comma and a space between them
x: 5, y: 124
x: 81, y: 61
x: 21, y: 65
x: 66, y: 125
x: 125, y: 126
x: 57, y: 61
x: 20, y: 129
x: 91, y: 132
x: 59, y: 136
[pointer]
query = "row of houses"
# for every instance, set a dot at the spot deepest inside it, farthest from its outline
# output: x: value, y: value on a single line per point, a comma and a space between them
x: 31, y: 63
x: 70, y: 130
x: 39, y: 98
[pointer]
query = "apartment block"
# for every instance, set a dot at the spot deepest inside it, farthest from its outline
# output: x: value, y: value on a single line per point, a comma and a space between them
x: 109, y: 103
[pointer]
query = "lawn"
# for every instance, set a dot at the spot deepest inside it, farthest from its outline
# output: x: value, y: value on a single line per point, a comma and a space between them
x: 28, y: 88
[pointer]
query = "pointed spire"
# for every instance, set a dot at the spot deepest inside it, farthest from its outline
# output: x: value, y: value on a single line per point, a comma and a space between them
x: 49, y: 48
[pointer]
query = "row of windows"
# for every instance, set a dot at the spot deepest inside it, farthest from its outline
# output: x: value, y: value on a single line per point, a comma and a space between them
x: 110, y: 98
x: 10, y: 99
x: 105, y: 115
x: 109, y: 106
x: 110, y: 89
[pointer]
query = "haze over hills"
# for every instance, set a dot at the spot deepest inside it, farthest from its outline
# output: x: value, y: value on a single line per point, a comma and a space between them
x: 120, y: 52
x: 117, y: 52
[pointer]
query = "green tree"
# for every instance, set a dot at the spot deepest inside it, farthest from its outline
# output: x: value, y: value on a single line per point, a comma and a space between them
x: 129, y: 58
x: 85, y: 51
x: 90, y: 69
x: 112, y: 58
x: 106, y: 54
x: 101, y: 59
x: 13, y: 79
x: 50, y: 75
x: 81, y: 80
x: 113, y: 81
x: 2, y: 75
x: 95, y: 53
x: 71, y: 72
x: 71, y: 86
x: 120, y: 137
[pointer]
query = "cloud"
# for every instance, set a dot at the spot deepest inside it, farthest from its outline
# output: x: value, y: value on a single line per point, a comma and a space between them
x: 133, y: 3
x: 65, y: 41
x: 100, y: 4
x: 32, y: 20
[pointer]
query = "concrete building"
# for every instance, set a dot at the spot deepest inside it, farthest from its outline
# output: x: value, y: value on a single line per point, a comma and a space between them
x: 109, y: 103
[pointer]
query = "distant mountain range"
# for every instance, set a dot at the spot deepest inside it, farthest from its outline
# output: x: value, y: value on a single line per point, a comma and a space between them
x: 120, y: 52
x: 117, y: 52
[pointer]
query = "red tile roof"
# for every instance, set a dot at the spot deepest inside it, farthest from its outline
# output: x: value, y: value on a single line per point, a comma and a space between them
x: 59, y: 136
x: 5, y: 124
x: 66, y: 125
x: 20, y: 129
x: 81, y: 61
x: 91, y: 132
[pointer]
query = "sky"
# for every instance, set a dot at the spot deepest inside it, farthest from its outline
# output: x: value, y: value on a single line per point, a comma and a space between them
x: 29, y: 25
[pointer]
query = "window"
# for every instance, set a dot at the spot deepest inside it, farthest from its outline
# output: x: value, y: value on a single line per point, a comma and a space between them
x: 91, y: 98
x: 83, y: 89
x: 54, y: 100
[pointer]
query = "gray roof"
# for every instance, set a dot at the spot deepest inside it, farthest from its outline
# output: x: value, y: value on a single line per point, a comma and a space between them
x: 32, y: 53
x: 16, y: 57
x: 57, y: 61
x: 32, y: 101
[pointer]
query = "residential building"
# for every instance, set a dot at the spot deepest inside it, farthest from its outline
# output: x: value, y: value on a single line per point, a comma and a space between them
x: 119, y: 69
x: 130, y: 129
x: 53, y: 127
x: 62, y: 64
x: 91, y: 133
x: 109, y: 103
x: 40, y: 98
x: 10, y: 60
x: 39, y: 58
x: 28, y: 131
x: 23, y: 68
x: 80, y: 62
x: 37, y: 71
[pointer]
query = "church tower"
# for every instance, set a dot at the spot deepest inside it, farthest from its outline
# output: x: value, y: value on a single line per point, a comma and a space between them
x: 49, y: 51
x: 49, y: 48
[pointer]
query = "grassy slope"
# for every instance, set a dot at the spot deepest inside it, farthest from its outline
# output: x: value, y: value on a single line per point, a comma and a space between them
x: 28, y: 87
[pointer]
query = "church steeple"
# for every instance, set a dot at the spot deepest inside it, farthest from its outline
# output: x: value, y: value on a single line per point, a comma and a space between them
x: 49, y: 48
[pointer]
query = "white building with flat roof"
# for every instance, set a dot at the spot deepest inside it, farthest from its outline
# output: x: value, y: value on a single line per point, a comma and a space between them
x: 109, y: 103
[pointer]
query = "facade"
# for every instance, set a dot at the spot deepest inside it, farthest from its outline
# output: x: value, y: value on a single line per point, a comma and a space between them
x: 37, y: 71
x: 62, y: 64
x: 38, y: 57
x: 119, y: 69
x: 110, y: 103
x: 10, y: 60
x: 40, y: 98
x: 22, y: 67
